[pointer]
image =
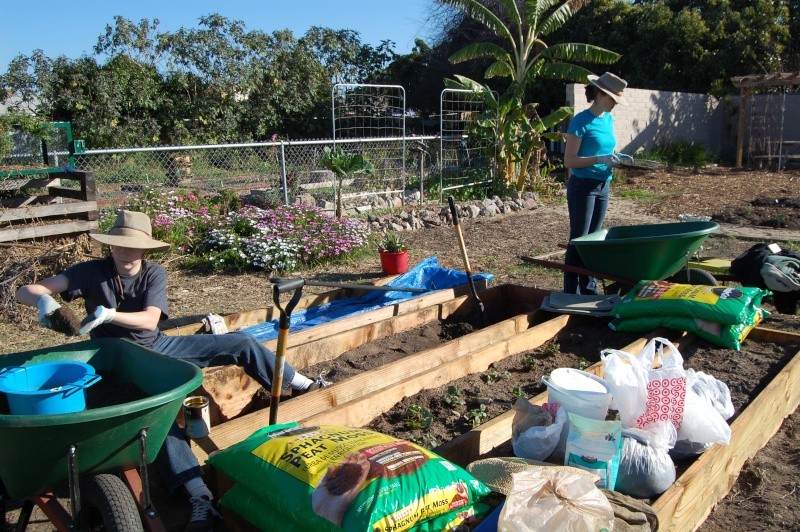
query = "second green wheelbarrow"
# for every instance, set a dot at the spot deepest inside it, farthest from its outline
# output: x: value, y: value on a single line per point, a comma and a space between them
x: 632, y: 253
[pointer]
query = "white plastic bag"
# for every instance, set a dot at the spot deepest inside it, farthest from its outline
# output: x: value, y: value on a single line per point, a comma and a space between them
x: 666, y: 383
x: 645, y: 467
x: 546, y: 499
x: 530, y: 438
x: 702, y: 426
x: 712, y: 390
x: 627, y: 381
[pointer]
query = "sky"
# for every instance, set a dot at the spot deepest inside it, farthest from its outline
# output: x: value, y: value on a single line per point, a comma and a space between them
x: 71, y: 27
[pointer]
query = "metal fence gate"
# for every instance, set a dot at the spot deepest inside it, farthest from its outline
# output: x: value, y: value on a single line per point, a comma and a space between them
x: 370, y: 119
x: 463, y: 161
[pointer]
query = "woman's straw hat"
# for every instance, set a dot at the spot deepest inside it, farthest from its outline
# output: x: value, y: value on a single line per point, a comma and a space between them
x: 131, y: 229
x: 496, y: 472
x: 611, y: 85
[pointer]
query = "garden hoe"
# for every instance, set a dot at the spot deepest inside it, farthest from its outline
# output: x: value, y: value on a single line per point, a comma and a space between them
x: 467, y: 269
x: 280, y: 286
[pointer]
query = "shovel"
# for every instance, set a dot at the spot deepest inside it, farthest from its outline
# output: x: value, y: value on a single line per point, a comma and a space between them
x: 279, y: 287
x: 467, y: 269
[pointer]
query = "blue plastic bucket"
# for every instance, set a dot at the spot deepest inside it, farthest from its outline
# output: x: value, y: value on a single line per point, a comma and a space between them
x: 47, y: 387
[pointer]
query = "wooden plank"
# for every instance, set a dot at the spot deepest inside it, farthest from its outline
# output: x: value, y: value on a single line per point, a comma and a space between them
x: 44, y: 211
x: 687, y: 504
x: 26, y: 233
x: 64, y: 192
x: 409, y: 305
x: 231, y: 390
x: 358, y: 390
x: 362, y: 410
x: 242, y: 320
x: 21, y: 184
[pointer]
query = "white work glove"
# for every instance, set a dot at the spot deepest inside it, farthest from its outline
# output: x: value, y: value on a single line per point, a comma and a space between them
x: 612, y: 159
x: 100, y: 316
x: 623, y: 157
x: 46, y: 305
x: 214, y: 324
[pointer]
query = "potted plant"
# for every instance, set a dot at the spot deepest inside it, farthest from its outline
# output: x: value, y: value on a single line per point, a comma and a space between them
x: 393, y: 250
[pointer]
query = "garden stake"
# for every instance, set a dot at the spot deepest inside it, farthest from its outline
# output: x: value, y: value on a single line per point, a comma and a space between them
x: 280, y: 286
x: 467, y: 269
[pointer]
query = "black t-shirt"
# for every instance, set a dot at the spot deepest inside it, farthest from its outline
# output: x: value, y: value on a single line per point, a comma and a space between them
x: 96, y: 281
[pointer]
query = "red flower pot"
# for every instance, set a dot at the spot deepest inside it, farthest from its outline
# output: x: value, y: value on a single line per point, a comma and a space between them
x: 394, y: 262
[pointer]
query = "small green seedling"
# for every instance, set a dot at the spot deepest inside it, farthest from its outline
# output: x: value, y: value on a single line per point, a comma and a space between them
x: 477, y: 415
x: 426, y: 439
x: 550, y: 349
x: 418, y: 417
x: 583, y: 363
x: 516, y: 393
x: 454, y: 397
x: 530, y: 361
x: 493, y: 375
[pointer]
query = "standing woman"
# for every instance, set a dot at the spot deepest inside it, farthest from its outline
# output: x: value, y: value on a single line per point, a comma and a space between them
x: 589, y: 156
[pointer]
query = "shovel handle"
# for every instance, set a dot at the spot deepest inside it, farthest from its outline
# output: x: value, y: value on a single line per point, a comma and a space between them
x: 285, y: 285
x: 457, y: 224
x: 280, y: 286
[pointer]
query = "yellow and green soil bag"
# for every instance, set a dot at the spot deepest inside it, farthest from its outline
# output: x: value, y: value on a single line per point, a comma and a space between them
x: 260, y: 513
x: 718, y: 304
x: 722, y: 334
x: 335, y: 477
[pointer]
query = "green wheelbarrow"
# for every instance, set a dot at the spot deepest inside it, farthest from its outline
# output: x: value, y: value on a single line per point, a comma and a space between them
x: 628, y: 254
x: 101, y: 452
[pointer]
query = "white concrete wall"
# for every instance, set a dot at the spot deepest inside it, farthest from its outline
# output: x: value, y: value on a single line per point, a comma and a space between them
x: 652, y: 117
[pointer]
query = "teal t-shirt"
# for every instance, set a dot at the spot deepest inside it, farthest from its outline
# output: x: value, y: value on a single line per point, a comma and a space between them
x: 597, y: 138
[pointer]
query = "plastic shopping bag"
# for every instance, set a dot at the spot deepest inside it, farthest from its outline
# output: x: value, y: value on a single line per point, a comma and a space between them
x: 702, y: 427
x: 545, y: 499
x: 535, y: 431
x: 666, y: 383
x: 627, y: 380
x: 712, y: 390
x: 645, y: 467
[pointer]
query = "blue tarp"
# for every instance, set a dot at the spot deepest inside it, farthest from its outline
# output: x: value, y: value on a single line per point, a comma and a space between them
x: 426, y: 274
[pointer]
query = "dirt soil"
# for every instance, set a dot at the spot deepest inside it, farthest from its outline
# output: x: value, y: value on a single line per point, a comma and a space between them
x: 765, y: 497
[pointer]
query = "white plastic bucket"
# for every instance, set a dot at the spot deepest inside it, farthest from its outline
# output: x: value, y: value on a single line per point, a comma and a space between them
x: 578, y: 392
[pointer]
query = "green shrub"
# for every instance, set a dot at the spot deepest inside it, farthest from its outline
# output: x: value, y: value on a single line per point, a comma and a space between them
x: 679, y: 153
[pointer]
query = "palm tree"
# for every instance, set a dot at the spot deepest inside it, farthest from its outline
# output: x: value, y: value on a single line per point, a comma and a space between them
x: 522, y: 26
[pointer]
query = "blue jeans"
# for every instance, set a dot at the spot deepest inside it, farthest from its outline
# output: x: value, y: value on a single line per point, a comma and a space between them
x: 175, y: 460
x: 587, y: 201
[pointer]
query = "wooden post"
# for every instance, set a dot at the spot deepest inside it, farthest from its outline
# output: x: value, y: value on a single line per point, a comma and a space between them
x: 745, y: 95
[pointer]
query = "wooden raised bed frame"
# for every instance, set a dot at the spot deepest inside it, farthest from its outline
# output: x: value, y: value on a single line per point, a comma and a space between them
x: 356, y: 401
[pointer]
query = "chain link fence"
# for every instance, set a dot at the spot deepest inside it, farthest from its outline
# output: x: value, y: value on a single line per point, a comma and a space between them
x: 281, y: 172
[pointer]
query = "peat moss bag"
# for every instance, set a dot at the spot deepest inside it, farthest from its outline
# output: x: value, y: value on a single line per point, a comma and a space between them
x: 329, y: 477
x: 262, y: 514
x: 717, y: 304
x: 730, y: 336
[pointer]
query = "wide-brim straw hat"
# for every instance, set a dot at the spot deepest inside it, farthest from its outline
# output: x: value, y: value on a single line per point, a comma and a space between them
x: 496, y: 472
x: 131, y: 229
x: 611, y: 84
